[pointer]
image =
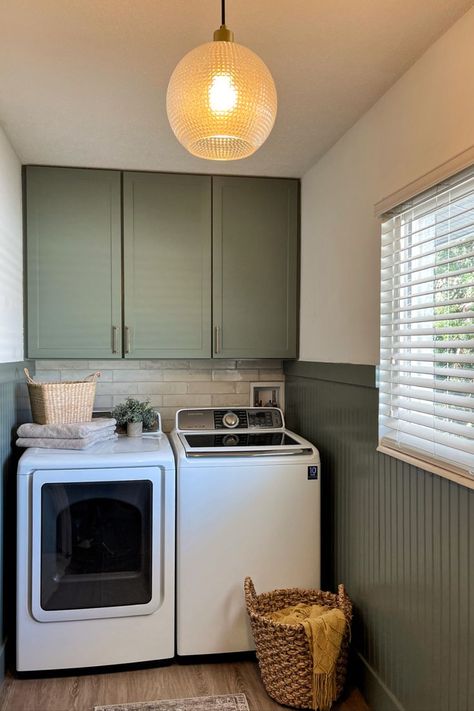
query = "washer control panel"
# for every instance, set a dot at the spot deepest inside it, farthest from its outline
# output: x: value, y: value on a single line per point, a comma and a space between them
x: 229, y: 418
x: 268, y: 418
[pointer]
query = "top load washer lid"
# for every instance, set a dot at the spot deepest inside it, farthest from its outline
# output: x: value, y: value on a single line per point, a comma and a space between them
x: 244, y: 444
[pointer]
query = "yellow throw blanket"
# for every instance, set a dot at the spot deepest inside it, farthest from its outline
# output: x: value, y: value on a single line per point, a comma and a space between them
x: 324, y: 629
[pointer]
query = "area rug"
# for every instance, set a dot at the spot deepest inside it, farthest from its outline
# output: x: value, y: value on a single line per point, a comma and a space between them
x: 225, y: 702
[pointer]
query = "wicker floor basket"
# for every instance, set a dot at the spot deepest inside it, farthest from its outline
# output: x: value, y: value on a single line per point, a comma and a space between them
x: 62, y: 403
x: 283, y: 652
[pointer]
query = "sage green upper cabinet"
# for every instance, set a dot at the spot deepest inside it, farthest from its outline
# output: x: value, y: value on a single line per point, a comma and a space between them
x: 255, y: 252
x: 162, y: 265
x: 73, y: 263
x: 167, y: 265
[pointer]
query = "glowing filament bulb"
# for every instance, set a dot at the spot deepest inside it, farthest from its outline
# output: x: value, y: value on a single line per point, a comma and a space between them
x: 222, y: 94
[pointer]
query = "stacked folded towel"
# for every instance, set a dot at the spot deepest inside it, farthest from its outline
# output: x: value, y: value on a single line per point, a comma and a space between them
x: 78, y: 435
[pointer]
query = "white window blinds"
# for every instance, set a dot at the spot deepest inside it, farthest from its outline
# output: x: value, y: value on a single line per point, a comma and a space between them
x: 427, y: 326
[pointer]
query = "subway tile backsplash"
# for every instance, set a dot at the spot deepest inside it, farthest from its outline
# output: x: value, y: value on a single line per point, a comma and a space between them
x: 168, y: 384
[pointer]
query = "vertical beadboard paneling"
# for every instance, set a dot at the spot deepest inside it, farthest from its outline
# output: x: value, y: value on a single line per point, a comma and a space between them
x: 398, y: 537
x: 12, y: 412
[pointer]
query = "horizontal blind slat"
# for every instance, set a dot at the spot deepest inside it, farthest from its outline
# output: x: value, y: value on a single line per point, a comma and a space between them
x: 431, y: 440
x: 437, y: 428
x: 387, y: 368
x: 425, y: 280
x: 467, y: 358
x: 406, y: 443
x: 437, y: 332
x: 393, y: 271
x: 429, y: 408
x: 393, y: 294
x: 430, y: 318
x: 397, y: 258
x: 389, y: 308
x: 433, y: 384
x: 428, y: 343
x: 394, y: 242
x: 441, y: 399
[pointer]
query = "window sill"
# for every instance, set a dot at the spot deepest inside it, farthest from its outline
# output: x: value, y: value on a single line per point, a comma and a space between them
x: 456, y: 475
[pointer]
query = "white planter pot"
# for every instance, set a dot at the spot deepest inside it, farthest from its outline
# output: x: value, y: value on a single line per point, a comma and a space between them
x: 134, y: 429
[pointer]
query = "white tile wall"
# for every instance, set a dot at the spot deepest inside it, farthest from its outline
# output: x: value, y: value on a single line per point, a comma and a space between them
x: 168, y: 384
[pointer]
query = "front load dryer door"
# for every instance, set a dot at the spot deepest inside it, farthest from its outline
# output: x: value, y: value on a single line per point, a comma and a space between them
x: 96, y: 543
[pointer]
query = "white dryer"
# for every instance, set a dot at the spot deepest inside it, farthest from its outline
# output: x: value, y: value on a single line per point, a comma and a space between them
x: 95, y: 555
x: 248, y: 503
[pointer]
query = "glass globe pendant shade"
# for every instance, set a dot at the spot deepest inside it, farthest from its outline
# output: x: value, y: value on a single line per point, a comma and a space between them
x: 221, y: 100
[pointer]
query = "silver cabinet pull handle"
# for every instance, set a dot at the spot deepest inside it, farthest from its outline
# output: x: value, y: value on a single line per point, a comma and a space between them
x: 217, y: 333
x: 114, y: 339
x: 128, y: 346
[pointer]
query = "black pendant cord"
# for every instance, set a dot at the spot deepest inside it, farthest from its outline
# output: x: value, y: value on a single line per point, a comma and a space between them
x: 222, y: 12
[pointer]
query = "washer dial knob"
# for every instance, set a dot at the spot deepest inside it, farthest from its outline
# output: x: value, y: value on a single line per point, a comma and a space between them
x: 230, y: 419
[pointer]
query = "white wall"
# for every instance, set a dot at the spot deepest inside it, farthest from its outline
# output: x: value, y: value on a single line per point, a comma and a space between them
x: 11, y: 255
x: 425, y: 119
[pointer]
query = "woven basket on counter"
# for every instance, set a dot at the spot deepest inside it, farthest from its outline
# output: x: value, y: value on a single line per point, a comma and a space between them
x: 62, y: 403
x: 284, y: 655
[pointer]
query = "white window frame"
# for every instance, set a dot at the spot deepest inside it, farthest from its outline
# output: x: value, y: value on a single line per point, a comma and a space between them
x: 400, y: 426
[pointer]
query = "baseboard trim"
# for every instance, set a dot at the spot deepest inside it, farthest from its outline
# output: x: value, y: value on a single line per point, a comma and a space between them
x: 376, y: 693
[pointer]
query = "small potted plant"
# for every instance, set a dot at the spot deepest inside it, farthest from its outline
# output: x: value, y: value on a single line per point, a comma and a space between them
x: 135, y: 415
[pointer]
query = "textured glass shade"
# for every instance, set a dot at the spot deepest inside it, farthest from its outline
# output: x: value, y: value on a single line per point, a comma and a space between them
x: 221, y: 101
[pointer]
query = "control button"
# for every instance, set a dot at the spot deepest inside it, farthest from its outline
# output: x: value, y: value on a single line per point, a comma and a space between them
x: 230, y: 419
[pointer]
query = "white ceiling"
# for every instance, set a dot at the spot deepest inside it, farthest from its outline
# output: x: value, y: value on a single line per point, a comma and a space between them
x: 83, y: 82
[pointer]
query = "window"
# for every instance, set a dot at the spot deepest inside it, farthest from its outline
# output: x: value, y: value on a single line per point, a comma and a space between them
x: 426, y: 406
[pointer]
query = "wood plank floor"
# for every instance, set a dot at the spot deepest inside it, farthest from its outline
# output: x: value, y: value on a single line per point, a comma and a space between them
x: 82, y: 693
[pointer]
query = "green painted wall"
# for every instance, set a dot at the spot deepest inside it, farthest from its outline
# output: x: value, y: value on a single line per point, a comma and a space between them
x: 13, y: 411
x: 400, y: 539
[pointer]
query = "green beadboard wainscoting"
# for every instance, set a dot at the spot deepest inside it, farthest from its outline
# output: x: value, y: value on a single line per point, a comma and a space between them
x: 13, y: 411
x: 399, y: 538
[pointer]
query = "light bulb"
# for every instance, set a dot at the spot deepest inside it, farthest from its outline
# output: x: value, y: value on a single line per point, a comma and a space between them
x: 223, y: 94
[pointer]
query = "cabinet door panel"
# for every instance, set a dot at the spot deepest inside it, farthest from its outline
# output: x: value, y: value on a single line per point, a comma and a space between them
x: 167, y: 265
x: 255, y: 267
x: 73, y: 262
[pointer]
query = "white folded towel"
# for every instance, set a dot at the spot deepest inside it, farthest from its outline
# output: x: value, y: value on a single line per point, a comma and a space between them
x: 76, y: 430
x: 68, y: 443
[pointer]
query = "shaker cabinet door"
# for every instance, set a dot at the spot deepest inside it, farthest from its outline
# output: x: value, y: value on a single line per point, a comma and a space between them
x: 167, y: 265
x: 255, y: 252
x: 73, y: 263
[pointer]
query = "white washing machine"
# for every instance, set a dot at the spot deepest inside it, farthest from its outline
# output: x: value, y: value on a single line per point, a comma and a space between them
x: 95, y: 555
x: 248, y: 503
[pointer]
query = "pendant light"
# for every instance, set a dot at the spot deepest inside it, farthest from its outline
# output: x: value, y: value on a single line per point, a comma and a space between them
x: 221, y: 99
